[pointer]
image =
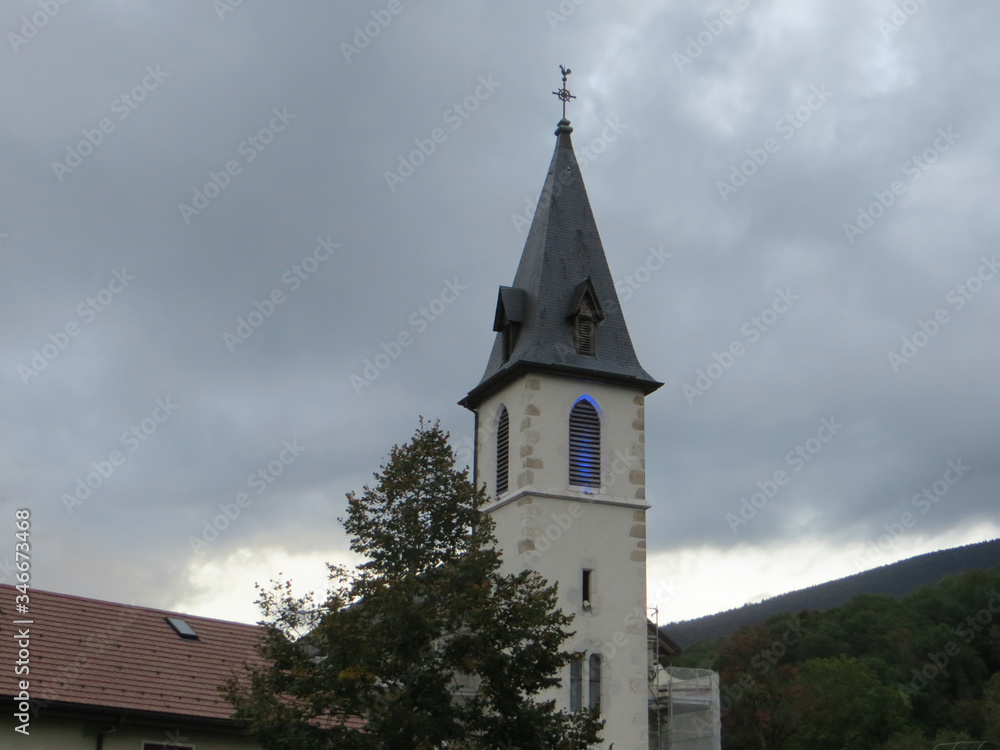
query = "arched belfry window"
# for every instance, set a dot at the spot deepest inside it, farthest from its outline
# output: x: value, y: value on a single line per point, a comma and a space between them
x: 584, y: 445
x: 503, y: 449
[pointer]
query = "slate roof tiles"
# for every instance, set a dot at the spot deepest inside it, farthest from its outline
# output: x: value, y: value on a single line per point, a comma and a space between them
x: 563, y: 250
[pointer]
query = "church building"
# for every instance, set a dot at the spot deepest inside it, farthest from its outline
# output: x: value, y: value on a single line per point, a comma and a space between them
x: 560, y: 425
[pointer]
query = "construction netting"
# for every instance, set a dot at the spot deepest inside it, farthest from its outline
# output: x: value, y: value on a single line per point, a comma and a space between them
x: 684, y: 709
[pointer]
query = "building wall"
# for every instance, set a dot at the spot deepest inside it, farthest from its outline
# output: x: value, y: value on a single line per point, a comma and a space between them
x: 545, y: 525
x: 539, y: 407
x: 47, y: 733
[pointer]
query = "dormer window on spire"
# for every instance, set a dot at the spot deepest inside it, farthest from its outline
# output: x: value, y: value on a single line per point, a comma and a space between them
x: 507, y: 320
x: 509, y: 338
x: 585, y: 313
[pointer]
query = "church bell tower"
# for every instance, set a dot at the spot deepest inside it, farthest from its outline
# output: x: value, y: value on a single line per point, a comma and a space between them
x: 560, y: 446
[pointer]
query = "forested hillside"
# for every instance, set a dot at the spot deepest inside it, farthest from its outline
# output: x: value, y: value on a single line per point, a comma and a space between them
x: 880, y: 673
x: 897, y: 579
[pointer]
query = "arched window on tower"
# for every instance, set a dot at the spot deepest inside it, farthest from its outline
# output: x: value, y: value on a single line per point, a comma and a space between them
x: 594, y: 675
x: 584, y: 445
x: 576, y: 682
x: 503, y: 450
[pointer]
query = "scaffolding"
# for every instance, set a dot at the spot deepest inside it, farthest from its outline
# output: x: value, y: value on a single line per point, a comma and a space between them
x: 684, y: 704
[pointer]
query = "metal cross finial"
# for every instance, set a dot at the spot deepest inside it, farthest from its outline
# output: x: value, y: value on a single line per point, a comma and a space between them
x: 563, y: 93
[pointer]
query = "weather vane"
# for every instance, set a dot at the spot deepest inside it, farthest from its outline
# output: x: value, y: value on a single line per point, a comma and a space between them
x: 563, y: 93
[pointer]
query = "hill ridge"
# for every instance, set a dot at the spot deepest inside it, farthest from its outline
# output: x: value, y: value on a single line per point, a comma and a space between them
x: 894, y: 579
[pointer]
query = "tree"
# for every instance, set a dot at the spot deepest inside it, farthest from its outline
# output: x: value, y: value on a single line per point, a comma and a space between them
x: 844, y: 706
x: 908, y: 738
x: 427, y: 644
x: 991, y: 708
x: 758, y: 689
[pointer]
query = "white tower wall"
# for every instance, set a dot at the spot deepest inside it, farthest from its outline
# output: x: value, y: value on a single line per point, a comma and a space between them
x: 544, y: 524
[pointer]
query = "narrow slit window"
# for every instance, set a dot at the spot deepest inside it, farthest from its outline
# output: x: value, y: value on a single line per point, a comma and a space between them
x: 576, y: 683
x: 594, y: 697
x: 586, y: 588
x: 503, y: 450
x: 585, y: 445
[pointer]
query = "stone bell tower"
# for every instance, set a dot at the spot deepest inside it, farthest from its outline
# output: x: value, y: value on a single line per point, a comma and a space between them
x: 560, y: 425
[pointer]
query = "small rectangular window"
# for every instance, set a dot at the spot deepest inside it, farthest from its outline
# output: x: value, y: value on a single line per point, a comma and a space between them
x: 586, y: 588
x: 576, y: 683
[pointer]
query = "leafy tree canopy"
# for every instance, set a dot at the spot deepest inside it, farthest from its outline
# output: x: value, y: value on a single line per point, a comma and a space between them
x: 879, y: 672
x: 427, y: 644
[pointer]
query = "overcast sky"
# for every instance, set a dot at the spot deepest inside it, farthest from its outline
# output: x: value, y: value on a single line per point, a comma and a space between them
x: 215, y: 214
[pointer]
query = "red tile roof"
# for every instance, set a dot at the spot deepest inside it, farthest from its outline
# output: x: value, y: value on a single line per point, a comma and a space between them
x: 118, y: 656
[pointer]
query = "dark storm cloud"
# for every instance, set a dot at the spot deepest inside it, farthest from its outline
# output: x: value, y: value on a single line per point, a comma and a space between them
x: 748, y: 134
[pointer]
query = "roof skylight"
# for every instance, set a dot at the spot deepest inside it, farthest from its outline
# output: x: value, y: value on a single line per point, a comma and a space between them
x: 182, y: 628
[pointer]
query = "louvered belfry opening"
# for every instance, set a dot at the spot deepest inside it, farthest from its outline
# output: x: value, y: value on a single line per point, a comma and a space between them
x: 503, y: 450
x: 584, y: 445
x: 584, y: 333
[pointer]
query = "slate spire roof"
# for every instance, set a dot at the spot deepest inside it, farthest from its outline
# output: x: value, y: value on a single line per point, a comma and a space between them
x: 562, y: 266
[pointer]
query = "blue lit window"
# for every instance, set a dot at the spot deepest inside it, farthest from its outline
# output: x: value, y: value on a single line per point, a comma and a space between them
x: 584, y: 445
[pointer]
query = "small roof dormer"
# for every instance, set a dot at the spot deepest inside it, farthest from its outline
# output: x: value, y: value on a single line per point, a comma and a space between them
x: 508, y: 318
x: 584, y: 314
x: 585, y: 301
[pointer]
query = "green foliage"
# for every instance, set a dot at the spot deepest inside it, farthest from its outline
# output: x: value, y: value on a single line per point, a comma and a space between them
x: 898, y: 579
x: 844, y: 706
x: 910, y: 738
x: 878, y: 672
x: 991, y: 709
x: 427, y: 644
x: 701, y: 655
x: 758, y: 688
